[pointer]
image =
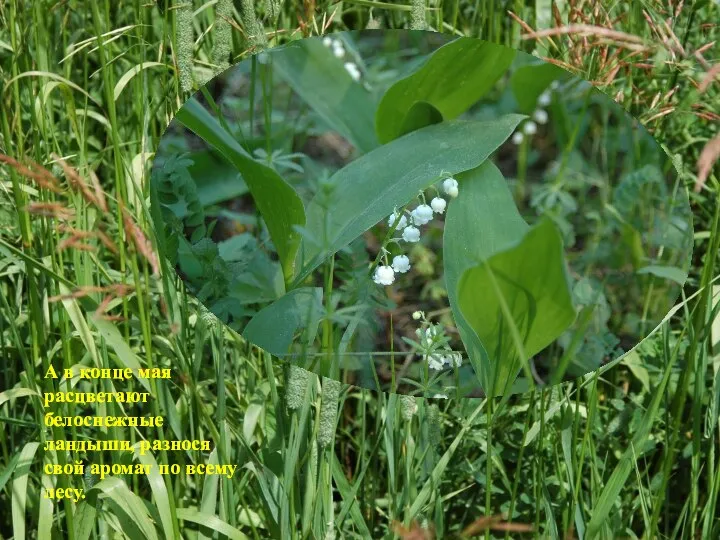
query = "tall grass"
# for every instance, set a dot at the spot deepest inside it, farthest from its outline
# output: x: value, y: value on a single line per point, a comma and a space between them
x: 631, y: 450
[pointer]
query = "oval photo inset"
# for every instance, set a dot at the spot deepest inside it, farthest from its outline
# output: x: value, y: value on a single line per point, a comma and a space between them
x: 413, y: 213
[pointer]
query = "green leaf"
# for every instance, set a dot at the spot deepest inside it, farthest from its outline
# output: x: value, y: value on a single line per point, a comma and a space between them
x: 211, y: 522
x: 159, y: 490
x: 15, y: 393
x: 19, y: 488
x: 126, y: 502
x: 274, y: 327
x: 216, y: 179
x: 367, y: 190
x: 518, y: 301
x: 321, y: 80
x: 126, y: 358
x: 84, y: 520
x: 528, y: 82
x: 678, y: 275
x: 454, y: 77
x: 281, y: 207
x: 482, y: 221
x: 125, y: 79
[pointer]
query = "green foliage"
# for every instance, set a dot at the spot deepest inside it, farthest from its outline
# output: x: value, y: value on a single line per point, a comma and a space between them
x: 277, y: 201
x: 368, y: 189
x: 630, y: 451
x: 484, y: 221
x: 452, y: 79
x: 531, y: 80
x: 275, y: 326
x: 319, y: 79
x: 518, y: 301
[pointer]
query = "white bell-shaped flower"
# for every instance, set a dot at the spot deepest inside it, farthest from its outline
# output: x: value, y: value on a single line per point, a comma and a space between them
x: 530, y: 128
x: 450, y: 186
x: 327, y: 41
x: 384, y: 275
x: 422, y: 214
x: 544, y: 99
x: 518, y: 137
x: 402, y: 223
x: 540, y: 116
x: 411, y: 234
x: 401, y: 264
x: 353, y: 70
x: 338, y: 49
x: 438, y: 205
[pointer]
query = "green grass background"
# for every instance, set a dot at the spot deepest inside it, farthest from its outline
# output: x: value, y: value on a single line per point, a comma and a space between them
x: 629, y: 451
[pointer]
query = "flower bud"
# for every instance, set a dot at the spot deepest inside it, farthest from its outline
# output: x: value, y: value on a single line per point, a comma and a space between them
x: 338, y: 49
x: 353, y: 70
x: 450, y: 186
x: 544, y: 99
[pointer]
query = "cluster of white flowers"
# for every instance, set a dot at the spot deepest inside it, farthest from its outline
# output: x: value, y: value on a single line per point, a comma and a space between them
x: 410, y: 223
x: 433, y: 347
x: 438, y: 361
x: 338, y: 50
x: 539, y: 116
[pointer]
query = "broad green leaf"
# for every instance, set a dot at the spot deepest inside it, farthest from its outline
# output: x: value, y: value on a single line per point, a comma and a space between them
x: 528, y: 82
x: 518, y: 301
x: 482, y: 221
x: 421, y: 114
x: 454, y: 77
x: 678, y: 275
x: 321, y: 80
x: 216, y: 179
x: 367, y: 190
x: 274, y: 327
x: 280, y: 206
